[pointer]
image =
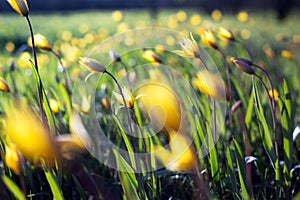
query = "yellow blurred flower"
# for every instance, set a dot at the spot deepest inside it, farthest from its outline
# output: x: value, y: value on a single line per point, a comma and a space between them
x: 172, y: 22
x: 66, y: 36
x: 20, y: 6
x: 23, y: 60
x: 150, y: 56
x: 245, y: 34
x: 117, y: 16
x: 122, y: 27
x: 189, y: 48
x: 209, y: 39
x: 9, y: 47
x: 84, y: 28
x: 160, y: 48
x: 195, y: 19
x: 86, y: 104
x: 181, y: 15
x: 225, y: 34
x: 41, y: 42
x: 243, y: 16
x: 216, y: 15
x: 269, y: 52
x: 54, y: 106
x: 4, y: 86
x: 29, y: 135
x: 13, y: 159
x: 161, y: 103
x: 181, y: 155
x: 296, y: 39
x: 211, y: 85
x: 105, y: 102
x: 287, y: 54
x: 170, y: 40
x: 274, y: 94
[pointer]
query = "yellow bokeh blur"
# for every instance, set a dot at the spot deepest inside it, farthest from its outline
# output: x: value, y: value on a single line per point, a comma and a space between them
x: 162, y: 103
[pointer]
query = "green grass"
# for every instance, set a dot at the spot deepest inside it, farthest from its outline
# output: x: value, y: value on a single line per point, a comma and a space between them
x: 221, y: 174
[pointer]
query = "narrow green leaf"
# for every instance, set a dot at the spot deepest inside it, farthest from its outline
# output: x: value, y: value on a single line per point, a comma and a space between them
x: 45, y: 101
x: 249, y: 113
x: 213, y: 158
x: 263, y: 127
x: 231, y: 173
x: 127, y: 142
x: 17, y: 192
x: 239, y: 90
x: 241, y: 169
x: 127, y: 176
x: 52, y: 180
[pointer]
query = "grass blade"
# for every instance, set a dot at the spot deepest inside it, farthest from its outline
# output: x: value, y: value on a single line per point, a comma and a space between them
x: 52, y: 180
x: 231, y: 173
x: 241, y: 169
x: 17, y: 192
x: 263, y: 127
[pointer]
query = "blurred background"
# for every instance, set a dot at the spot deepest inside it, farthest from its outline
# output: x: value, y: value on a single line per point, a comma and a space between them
x: 282, y: 7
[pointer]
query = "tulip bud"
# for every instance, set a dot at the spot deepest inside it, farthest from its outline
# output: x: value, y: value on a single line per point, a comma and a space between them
x: 92, y: 65
x: 20, y: 6
x: 13, y: 159
x: 244, y: 65
x: 4, y: 86
x: 40, y: 42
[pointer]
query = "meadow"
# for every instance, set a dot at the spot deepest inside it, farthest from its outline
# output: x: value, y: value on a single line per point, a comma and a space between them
x: 227, y: 92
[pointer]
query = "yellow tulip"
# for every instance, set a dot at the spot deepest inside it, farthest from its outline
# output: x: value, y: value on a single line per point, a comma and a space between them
x: 13, y: 159
x: 162, y: 103
x: 189, y: 48
x: 150, y: 56
x: 29, y: 135
x: 127, y: 96
x: 226, y: 34
x: 40, y: 42
x: 209, y: 39
x: 211, y: 85
x: 4, y: 86
x: 20, y: 6
x: 181, y: 155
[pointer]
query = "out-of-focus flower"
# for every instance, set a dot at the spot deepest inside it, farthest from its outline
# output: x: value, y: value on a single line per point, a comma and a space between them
x: 287, y: 54
x: 195, y: 19
x: 23, y: 60
x: 86, y: 104
x: 180, y: 157
x: 243, y: 16
x: 129, y: 99
x: 41, y: 42
x: 243, y: 65
x: 4, y: 86
x: 209, y: 39
x: 274, y: 94
x: 105, y: 102
x: 216, y: 15
x: 211, y: 85
x: 245, y: 34
x: 54, y: 106
x: 92, y: 65
x: 117, y: 16
x: 29, y: 135
x: 226, y: 34
x: 161, y: 104
x: 20, y: 6
x: 9, y: 47
x: 150, y: 56
x: 189, y: 48
x: 181, y: 15
x: 160, y: 48
x: 269, y: 52
x: 13, y: 159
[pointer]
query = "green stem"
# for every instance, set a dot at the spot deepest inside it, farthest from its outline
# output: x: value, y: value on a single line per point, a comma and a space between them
x: 40, y: 93
x: 64, y: 71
